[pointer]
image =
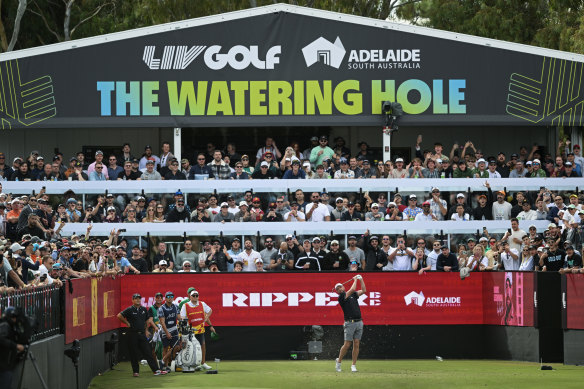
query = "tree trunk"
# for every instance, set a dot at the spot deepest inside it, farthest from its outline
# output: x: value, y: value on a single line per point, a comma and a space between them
x: 67, y: 22
x: 19, y: 14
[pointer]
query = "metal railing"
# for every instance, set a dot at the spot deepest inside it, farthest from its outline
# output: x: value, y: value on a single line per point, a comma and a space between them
x: 43, y: 304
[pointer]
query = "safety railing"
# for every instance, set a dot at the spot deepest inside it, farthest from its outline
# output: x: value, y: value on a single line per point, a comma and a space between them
x: 42, y: 304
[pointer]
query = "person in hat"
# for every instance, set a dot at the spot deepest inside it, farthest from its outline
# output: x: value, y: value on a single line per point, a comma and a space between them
x: 306, y: 259
x: 320, y: 152
x: 148, y: 156
x: 150, y: 173
x: 263, y: 172
x: 572, y: 262
x: 270, y: 147
x: 168, y: 316
x: 136, y: 318
x: 375, y: 257
x: 295, y: 172
x: 412, y: 209
x: 99, y: 160
x: 446, y: 261
x: 232, y: 253
x: 198, y: 313
x: 353, y: 325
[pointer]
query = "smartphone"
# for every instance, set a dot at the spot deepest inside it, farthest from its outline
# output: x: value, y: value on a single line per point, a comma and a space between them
x: 484, y: 229
x: 43, y: 278
x: 122, y: 230
x: 44, y: 188
x: 509, y: 230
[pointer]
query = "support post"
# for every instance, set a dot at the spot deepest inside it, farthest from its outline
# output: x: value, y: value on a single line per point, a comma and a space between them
x: 178, y: 143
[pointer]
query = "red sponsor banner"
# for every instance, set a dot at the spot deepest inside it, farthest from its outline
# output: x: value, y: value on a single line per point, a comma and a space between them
x: 573, y: 302
x: 92, y: 307
x: 250, y: 299
x: 508, y: 298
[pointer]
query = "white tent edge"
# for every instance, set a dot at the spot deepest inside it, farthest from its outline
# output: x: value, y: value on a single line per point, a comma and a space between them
x: 298, y: 10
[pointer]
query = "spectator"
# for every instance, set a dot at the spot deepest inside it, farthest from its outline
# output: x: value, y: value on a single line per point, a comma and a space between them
x: 219, y: 168
x: 509, y: 256
x: 519, y: 171
x: 316, y: 211
x: 97, y: 175
x: 477, y: 261
x: 416, y: 170
x: 305, y: 259
x: 162, y: 254
x: 263, y: 173
x: 128, y: 173
x: 492, y: 169
x: 232, y: 254
x: 462, y: 171
x: 239, y: 174
x: 268, y: 252
x: 527, y: 258
x: 351, y: 214
x: 420, y: 262
x: 321, y: 151
x: 139, y: 264
x: 269, y: 147
x: 527, y: 213
x: 412, y: 210
x: 481, y: 170
x: 295, y: 172
x: 174, y: 173
x: 398, y: 170
x: 432, y: 170
x: 243, y: 215
x: 438, y: 206
x: 232, y: 207
x: 224, y: 215
x: 295, y: 215
x: 374, y: 214
x: 313, y: 144
x: 321, y: 173
x: 553, y: 214
x: 21, y: 174
x: 246, y: 166
x: 501, y: 208
x: 367, y: 171
x: 218, y: 255
x: 166, y: 156
x: 537, y: 171
x: 572, y: 261
x: 150, y: 173
x: 148, y: 156
x: 248, y: 256
x: 335, y: 259
x: 393, y: 212
x: 375, y: 258
x: 337, y: 212
x: 273, y: 167
x: 185, y: 167
x: 344, y: 171
x: 159, y: 216
x: 91, y: 167
x: 460, y: 214
x: 401, y: 257
x: 446, y: 261
x: 178, y: 213
x: 201, y: 171
x: 569, y: 171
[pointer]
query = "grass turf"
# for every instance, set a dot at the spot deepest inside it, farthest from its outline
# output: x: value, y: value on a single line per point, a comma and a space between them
x: 372, y: 374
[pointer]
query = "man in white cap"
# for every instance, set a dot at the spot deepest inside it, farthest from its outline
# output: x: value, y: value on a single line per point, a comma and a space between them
x: 198, y: 313
x: 353, y: 326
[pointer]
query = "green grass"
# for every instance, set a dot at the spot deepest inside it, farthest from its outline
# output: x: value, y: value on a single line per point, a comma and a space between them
x: 372, y: 374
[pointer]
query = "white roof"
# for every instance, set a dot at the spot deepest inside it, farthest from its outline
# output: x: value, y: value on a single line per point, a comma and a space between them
x: 312, y: 12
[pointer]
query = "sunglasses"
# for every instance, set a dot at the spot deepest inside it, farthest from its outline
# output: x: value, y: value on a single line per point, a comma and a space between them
x: 288, y: 238
x: 194, y: 295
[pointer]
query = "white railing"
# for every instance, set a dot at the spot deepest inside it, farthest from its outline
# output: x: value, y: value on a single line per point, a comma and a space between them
x: 305, y: 228
x: 266, y: 186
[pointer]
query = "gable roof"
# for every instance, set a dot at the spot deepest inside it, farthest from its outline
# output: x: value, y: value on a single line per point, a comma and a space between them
x: 312, y: 12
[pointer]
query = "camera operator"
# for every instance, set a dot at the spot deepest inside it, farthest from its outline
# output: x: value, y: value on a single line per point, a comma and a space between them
x: 10, y: 345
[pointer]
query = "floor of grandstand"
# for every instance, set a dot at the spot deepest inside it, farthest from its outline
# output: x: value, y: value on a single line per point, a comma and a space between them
x: 371, y: 374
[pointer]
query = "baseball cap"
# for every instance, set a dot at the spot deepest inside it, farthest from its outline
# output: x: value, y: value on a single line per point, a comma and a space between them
x: 162, y: 263
x: 150, y: 162
x: 264, y: 163
x: 568, y: 163
x: 296, y: 161
x: 576, y: 146
x: 99, y: 152
x: 334, y: 242
x: 338, y: 284
x: 391, y: 203
x: 481, y: 160
x: 111, y: 209
x: 537, y: 161
x: 552, y: 225
x: 255, y: 199
x: 169, y: 294
x: 193, y: 292
x: 71, y: 200
x: 460, y: 196
x: 134, y: 296
x: 399, y: 160
x: 352, y: 237
x: 16, y: 246
x: 236, y: 239
x: 289, y: 236
x: 528, y: 163
x: 314, y: 138
x: 40, y: 158
x: 306, y: 163
x: 374, y: 205
x: 413, y: 196
x: 258, y: 260
x: 483, y: 239
x: 426, y: 203
x: 224, y: 204
x: 501, y: 191
x: 438, y: 160
x: 343, y: 160
x: 315, y: 239
x: 184, y: 160
x: 374, y: 237
x: 243, y: 203
x: 339, y: 199
x: 178, y: 193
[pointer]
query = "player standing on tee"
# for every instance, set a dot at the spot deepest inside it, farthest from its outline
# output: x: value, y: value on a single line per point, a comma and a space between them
x: 353, y: 326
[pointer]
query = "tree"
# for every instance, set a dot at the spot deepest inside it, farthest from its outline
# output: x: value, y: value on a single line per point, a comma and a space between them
x: 16, y: 28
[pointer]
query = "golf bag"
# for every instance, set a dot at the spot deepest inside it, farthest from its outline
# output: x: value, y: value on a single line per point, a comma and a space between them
x: 190, y: 355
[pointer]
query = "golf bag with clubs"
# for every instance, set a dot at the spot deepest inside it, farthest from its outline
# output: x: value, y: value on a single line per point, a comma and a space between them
x: 190, y: 355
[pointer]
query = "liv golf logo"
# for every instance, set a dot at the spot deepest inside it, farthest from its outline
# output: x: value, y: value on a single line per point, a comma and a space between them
x: 332, y: 54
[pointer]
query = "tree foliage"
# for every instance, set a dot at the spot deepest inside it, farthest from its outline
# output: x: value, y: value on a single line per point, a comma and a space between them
x: 555, y: 24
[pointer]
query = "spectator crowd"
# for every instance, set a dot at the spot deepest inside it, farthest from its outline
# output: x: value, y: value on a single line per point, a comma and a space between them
x: 35, y: 253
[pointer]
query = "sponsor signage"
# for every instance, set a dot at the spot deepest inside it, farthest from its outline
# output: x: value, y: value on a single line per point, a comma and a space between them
x: 251, y: 70
x: 251, y: 299
x: 573, y: 301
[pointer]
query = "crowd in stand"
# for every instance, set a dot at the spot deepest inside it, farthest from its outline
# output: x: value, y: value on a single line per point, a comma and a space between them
x: 319, y: 161
x: 33, y: 260
x: 35, y: 253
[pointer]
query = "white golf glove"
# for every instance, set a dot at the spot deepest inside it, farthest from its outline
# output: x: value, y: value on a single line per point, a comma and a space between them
x: 358, y: 276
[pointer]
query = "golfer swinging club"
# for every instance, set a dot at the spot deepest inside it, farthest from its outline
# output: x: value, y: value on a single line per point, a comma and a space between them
x: 353, y: 326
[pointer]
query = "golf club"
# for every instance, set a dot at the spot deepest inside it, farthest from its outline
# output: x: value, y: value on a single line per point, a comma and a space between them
x: 349, y: 280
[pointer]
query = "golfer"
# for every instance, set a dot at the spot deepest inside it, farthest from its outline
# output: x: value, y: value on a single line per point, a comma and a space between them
x: 353, y: 326
x: 135, y: 317
x: 198, y: 313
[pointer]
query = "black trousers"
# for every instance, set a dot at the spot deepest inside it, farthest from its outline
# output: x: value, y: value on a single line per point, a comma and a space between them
x: 139, y: 347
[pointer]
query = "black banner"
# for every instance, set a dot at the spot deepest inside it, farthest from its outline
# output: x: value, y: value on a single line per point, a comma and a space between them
x: 284, y: 68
